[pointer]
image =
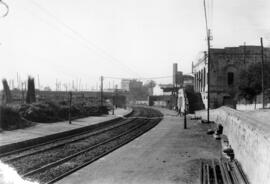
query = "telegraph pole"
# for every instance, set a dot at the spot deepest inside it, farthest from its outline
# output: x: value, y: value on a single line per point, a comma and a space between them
x: 208, y: 77
x: 116, y: 96
x: 113, y: 102
x: 208, y: 34
x: 185, y: 111
x: 244, y: 52
x: 69, y: 110
x: 262, y: 70
x: 101, y: 91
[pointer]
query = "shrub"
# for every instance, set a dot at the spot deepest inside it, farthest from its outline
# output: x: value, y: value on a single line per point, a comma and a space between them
x: 10, y: 118
x: 40, y: 112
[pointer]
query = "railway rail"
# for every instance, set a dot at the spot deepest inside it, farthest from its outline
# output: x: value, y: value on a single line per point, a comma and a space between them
x: 51, y: 161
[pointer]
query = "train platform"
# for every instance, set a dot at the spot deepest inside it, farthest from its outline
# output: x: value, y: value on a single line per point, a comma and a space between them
x: 165, y: 154
x: 44, y: 129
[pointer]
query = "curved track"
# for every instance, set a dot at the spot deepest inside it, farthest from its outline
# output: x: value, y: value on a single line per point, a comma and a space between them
x: 56, y: 159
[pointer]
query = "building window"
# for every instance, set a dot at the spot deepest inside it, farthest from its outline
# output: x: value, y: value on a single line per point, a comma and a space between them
x: 230, y: 78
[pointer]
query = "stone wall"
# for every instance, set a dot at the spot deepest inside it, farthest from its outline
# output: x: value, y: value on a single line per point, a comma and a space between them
x: 250, y: 139
x: 250, y: 107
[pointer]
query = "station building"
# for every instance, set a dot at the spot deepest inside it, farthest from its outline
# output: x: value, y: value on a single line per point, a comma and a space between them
x: 226, y: 64
x: 173, y: 94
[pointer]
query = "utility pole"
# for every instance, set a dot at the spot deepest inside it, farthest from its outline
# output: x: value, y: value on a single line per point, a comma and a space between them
x: 208, y: 77
x: 185, y: 111
x: 38, y: 83
x: 23, y: 91
x: 262, y: 64
x: 244, y: 53
x: 18, y: 84
x: 113, y: 99
x: 208, y: 34
x: 69, y: 110
x: 101, y: 91
x: 116, y: 96
x: 56, y: 88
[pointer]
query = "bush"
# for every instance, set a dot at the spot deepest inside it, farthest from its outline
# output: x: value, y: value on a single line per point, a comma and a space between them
x: 11, y: 119
x: 46, y: 112
x: 40, y: 112
x: 103, y: 110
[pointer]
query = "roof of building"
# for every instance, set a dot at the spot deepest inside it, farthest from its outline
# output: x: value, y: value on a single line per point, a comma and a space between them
x: 247, y: 49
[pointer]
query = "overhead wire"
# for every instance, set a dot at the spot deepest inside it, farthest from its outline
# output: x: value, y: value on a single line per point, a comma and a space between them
x: 146, y: 78
x: 7, y: 8
x: 160, y: 77
x: 205, y: 16
x: 65, y: 72
x: 90, y: 45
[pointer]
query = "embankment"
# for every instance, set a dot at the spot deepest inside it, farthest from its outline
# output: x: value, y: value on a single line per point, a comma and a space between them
x: 250, y: 139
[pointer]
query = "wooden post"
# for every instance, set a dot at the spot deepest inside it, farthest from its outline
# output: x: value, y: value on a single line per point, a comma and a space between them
x: 208, y: 77
x: 185, y: 113
x: 69, y: 112
x: 101, y: 91
x: 262, y: 63
x: 113, y: 103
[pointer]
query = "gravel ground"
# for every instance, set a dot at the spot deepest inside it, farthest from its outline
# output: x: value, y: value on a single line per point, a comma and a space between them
x: 88, y: 156
x: 165, y: 154
x: 29, y: 163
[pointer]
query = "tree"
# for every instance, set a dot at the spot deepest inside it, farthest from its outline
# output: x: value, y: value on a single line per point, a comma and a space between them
x: 150, y: 86
x: 6, y: 96
x: 250, y: 80
x: 47, y: 88
x: 31, y: 94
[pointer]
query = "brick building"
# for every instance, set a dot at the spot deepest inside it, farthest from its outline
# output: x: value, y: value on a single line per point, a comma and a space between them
x: 226, y: 64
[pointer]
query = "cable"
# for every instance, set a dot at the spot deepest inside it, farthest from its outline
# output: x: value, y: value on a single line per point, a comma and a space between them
x: 148, y: 78
x: 75, y: 32
x: 7, y: 7
x: 205, y: 16
x: 162, y: 77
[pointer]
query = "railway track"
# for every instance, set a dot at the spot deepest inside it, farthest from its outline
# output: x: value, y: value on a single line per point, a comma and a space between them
x: 48, y: 163
x: 64, y: 138
x: 31, y: 150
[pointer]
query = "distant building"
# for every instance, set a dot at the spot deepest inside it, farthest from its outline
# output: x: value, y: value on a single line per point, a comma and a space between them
x: 177, y: 76
x: 135, y: 84
x: 172, y: 92
x: 127, y: 84
x: 226, y: 64
x: 188, y: 80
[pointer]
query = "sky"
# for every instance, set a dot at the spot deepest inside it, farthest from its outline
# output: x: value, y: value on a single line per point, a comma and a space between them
x: 68, y: 40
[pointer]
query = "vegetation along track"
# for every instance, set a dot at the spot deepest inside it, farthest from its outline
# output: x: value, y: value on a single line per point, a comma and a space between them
x: 53, y: 161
